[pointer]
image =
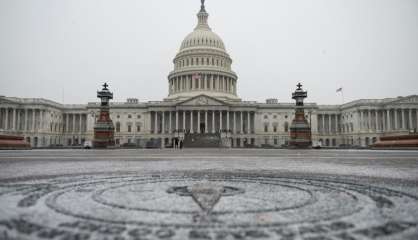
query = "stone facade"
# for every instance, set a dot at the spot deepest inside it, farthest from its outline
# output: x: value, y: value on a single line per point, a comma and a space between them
x: 203, y: 96
x: 358, y: 123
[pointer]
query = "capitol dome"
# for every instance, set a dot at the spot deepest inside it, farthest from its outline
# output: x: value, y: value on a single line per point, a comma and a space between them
x: 202, y: 38
x: 202, y: 65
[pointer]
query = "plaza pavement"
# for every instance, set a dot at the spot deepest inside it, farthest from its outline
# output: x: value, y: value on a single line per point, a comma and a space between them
x: 208, y: 194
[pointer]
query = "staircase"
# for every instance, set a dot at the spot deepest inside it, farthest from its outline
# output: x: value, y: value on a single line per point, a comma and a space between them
x: 202, y: 140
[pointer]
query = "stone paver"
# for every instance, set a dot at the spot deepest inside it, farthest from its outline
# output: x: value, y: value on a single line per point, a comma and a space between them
x: 208, y: 194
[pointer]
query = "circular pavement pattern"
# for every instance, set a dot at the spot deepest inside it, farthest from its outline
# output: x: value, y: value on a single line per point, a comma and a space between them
x: 199, y: 206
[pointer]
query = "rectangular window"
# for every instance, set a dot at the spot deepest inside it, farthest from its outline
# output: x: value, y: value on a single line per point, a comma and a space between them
x: 275, y: 141
x: 138, y: 128
x: 129, y: 128
x: 266, y: 128
x: 275, y: 129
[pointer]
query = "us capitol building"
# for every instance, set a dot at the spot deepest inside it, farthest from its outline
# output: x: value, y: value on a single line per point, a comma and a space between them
x: 203, y: 100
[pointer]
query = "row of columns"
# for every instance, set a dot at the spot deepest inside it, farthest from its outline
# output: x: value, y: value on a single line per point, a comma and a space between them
x: 212, y: 82
x: 16, y: 119
x: 31, y: 120
x: 329, y: 123
x: 235, y: 122
x: 388, y: 119
x: 75, y: 122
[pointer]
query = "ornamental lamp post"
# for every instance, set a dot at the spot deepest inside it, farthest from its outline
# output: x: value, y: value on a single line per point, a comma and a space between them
x: 300, y: 130
x: 104, y: 129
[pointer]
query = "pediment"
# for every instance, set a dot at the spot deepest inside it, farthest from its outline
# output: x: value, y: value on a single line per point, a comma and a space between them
x: 406, y: 100
x: 6, y: 101
x: 202, y: 100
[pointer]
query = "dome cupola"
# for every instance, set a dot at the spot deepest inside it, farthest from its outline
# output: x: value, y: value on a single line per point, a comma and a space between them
x: 202, y: 66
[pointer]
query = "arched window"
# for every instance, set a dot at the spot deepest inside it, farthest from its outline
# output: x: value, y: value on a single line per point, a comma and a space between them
x: 118, y: 127
x: 286, y: 127
x: 266, y: 128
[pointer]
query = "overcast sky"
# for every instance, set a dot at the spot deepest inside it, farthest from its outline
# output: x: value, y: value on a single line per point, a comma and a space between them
x: 51, y: 47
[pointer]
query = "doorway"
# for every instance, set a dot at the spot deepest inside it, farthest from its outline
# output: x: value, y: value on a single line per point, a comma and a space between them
x: 202, y: 128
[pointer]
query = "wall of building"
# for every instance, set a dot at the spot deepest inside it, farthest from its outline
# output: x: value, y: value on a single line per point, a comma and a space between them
x: 360, y: 123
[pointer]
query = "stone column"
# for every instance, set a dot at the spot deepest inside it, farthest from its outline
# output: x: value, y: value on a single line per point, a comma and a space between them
x: 396, y: 118
x: 33, y: 119
x: 376, y: 115
x: 330, y: 124
x: 74, y: 115
x: 198, y: 122
x: 18, y: 120
x: 13, y: 119
x: 384, y: 127
x: 80, y: 123
x: 213, y: 121
x: 184, y: 120
x: 170, y: 130
x: 402, y: 125
x: 336, y: 123
x: 67, y: 122
x: 191, y: 122
x: 369, y: 115
x: 248, y: 122
x: 228, y: 126
x: 389, y: 123
x: 234, y: 122
x: 361, y: 120
x: 177, y: 120
x: 416, y: 119
x: 242, y: 125
x: 410, y: 118
x: 206, y: 121
x: 6, y: 123
x: 220, y: 121
x: 40, y: 120
x: 25, y: 124
x: 155, y: 122
x: 163, y: 123
x: 323, y: 124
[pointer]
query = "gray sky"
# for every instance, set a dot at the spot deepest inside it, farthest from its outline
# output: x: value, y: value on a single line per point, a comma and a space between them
x: 369, y: 47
